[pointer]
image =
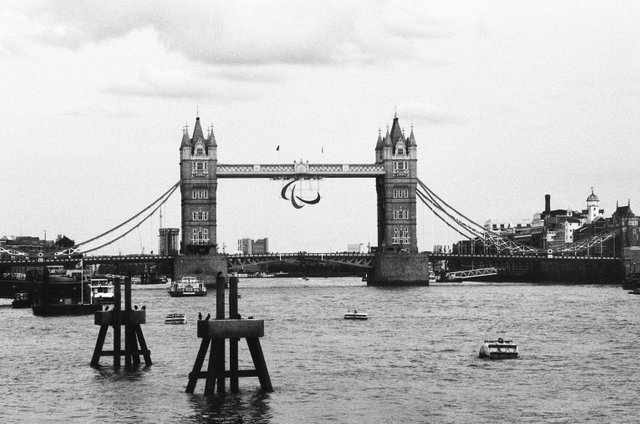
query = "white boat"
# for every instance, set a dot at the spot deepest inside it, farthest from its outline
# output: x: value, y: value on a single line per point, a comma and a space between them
x: 101, y: 290
x: 499, y: 349
x: 432, y: 277
x: 356, y: 315
x: 175, y: 319
x: 188, y: 286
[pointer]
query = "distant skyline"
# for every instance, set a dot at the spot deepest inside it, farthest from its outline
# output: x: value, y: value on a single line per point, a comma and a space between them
x: 509, y: 101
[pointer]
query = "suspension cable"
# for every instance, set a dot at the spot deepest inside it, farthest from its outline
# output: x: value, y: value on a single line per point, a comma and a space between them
x: 164, y: 196
x: 168, y: 194
x: 457, y: 230
x: 497, y: 240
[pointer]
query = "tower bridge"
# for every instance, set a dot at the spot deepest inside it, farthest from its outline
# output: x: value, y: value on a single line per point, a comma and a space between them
x: 396, y: 260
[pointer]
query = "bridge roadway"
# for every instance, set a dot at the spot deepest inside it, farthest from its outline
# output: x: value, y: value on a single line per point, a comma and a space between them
x: 87, y: 260
x: 359, y: 260
x: 521, y: 257
x: 237, y: 262
x: 234, y: 262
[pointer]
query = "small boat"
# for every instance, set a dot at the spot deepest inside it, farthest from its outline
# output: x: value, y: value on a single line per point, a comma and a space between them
x: 356, y: 315
x: 21, y: 300
x: 432, y: 277
x: 175, y: 319
x: 56, y: 295
x: 499, y: 349
x: 188, y: 286
x: 635, y: 291
x: 102, y: 290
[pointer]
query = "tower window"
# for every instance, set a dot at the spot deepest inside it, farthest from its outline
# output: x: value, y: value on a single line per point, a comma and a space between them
x: 400, y: 214
x: 200, y: 236
x: 200, y: 194
x: 400, y: 193
x: 400, y: 167
x: 200, y: 216
x: 400, y: 235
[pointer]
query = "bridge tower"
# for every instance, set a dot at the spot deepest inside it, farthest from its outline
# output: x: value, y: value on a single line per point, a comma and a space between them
x: 198, y: 185
x: 396, y: 190
x: 398, y: 261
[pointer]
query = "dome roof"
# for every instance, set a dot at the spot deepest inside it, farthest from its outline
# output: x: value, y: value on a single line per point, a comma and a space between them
x: 592, y: 197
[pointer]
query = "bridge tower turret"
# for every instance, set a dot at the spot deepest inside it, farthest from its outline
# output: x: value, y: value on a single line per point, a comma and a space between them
x: 198, y: 185
x: 396, y: 190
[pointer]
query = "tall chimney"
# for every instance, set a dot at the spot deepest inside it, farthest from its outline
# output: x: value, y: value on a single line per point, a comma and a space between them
x: 547, y: 203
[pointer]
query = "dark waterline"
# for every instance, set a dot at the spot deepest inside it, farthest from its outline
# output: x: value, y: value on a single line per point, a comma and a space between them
x: 414, y: 360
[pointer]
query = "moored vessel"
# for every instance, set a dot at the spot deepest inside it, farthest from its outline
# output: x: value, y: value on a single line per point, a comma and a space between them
x: 21, y: 300
x: 187, y: 286
x: 56, y: 295
x: 102, y: 290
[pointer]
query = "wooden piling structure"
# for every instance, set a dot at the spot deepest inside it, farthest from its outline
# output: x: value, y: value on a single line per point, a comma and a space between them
x: 134, y: 343
x: 214, y: 334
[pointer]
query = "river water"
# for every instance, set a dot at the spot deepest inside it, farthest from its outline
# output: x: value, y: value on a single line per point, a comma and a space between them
x: 415, y: 360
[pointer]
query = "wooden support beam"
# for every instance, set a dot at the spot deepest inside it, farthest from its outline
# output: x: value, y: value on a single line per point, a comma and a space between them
x: 233, y: 342
x: 210, y: 382
x: 260, y: 363
x: 227, y: 374
x: 128, y: 333
x: 116, y: 323
x: 197, y: 365
x: 143, y: 344
x: 95, y: 360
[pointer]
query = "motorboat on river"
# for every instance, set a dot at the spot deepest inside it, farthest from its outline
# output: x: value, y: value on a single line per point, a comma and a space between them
x: 356, y: 315
x: 499, y: 349
x: 21, y: 300
x: 102, y: 290
x: 175, y: 319
x: 187, y: 286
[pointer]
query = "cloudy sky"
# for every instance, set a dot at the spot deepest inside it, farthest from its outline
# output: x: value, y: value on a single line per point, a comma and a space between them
x: 509, y: 100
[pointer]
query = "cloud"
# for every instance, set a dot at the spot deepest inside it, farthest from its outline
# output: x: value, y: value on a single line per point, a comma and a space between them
x: 418, y: 113
x: 252, y: 32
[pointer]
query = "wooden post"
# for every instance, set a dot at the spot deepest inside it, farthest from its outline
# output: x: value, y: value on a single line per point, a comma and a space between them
x: 219, y: 343
x: 215, y: 332
x: 133, y: 332
x: 260, y: 363
x: 197, y: 366
x: 233, y: 342
x: 128, y: 345
x: 95, y: 360
x: 116, y: 323
x: 143, y: 345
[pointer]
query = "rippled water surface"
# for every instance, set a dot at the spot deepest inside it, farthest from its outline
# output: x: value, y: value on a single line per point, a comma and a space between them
x: 414, y: 360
